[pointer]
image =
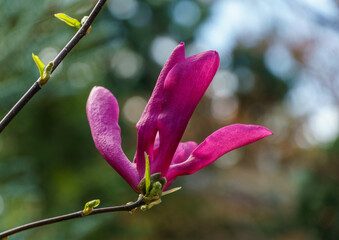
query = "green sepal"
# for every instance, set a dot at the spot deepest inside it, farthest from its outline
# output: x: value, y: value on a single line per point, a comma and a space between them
x: 163, y: 182
x: 171, y: 191
x: 147, y: 174
x: 155, y: 177
x: 154, y: 196
x: 89, y: 207
x: 69, y: 20
x: 151, y: 204
x: 39, y: 63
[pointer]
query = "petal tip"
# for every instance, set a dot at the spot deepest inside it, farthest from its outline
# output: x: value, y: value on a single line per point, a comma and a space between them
x: 266, y: 131
x: 216, y: 54
x: 269, y: 132
x: 99, y: 92
x: 99, y: 88
x: 213, y: 53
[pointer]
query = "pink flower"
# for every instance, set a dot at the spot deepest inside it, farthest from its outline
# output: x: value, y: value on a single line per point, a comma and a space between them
x: 180, y: 86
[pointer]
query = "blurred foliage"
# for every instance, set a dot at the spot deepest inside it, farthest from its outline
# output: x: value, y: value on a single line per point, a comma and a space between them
x: 279, y: 188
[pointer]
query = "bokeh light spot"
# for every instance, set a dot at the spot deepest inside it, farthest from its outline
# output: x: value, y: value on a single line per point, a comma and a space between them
x: 122, y: 9
x: 161, y: 49
x: 80, y: 74
x: 224, y: 84
x: 324, y: 124
x: 224, y: 109
x: 47, y: 54
x: 186, y: 13
x: 126, y: 64
x: 142, y: 16
x: 133, y: 108
x: 229, y: 160
x: 279, y: 60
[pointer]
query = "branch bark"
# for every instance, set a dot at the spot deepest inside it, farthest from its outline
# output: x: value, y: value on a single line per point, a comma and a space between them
x: 57, y: 60
x: 69, y: 216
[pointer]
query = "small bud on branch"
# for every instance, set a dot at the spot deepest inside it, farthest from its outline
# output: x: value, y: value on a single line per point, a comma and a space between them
x: 89, y: 207
x: 84, y: 29
x: 68, y: 20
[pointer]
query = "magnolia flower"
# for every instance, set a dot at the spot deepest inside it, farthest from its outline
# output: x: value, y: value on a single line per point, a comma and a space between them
x: 180, y: 86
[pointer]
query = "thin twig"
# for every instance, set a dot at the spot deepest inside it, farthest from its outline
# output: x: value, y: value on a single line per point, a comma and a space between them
x: 69, y: 216
x: 57, y: 60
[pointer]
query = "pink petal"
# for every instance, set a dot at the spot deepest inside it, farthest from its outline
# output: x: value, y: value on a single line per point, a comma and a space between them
x: 147, y: 127
x: 217, y: 144
x: 184, y: 86
x: 103, y: 113
x: 183, y: 151
x: 156, y: 145
x: 168, y: 184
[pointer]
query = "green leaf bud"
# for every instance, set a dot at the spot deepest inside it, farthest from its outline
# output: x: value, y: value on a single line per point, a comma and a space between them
x: 147, y: 174
x: 89, y: 207
x: 68, y: 20
x: 39, y: 63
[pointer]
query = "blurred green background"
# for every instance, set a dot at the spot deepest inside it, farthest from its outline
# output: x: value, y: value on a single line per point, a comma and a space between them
x: 279, y: 68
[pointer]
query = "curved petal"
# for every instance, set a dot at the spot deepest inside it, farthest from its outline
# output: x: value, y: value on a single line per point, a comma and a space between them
x: 217, y: 144
x: 103, y: 113
x: 184, y: 86
x: 146, y: 126
x: 156, y: 145
x: 183, y: 151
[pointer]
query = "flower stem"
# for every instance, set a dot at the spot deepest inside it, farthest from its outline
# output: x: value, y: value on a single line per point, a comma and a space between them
x: 69, y: 216
x: 57, y: 60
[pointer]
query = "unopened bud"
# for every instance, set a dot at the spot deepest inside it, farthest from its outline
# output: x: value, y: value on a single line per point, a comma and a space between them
x: 89, y: 207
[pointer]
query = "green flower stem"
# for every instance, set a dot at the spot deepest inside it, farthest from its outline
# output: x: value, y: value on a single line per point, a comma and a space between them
x: 57, y: 60
x: 77, y: 214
